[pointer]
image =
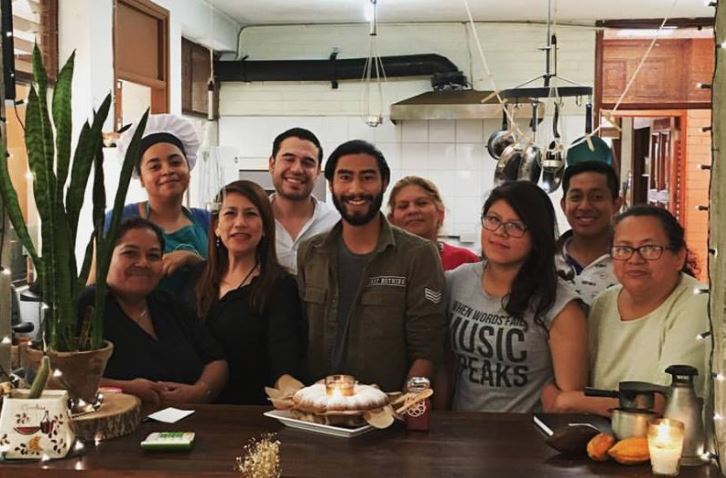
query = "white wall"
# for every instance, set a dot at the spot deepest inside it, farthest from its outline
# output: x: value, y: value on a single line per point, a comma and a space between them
x: 451, y: 153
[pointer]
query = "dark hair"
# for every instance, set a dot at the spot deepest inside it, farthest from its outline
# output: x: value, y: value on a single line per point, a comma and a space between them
x: 301, y: 133
x: 140, y: 223
x: 592, y: 166
x: 672, y: 228
x: 263, y: 287
x: 535, y: 285
x: 357, y: 146
x: 156, y: 138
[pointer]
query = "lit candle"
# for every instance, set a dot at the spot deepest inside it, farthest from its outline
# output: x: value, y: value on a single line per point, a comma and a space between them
x: 337, y: 386
x: 665, y: 445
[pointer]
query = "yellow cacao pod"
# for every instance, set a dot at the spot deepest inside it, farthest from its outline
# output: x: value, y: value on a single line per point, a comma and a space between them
x: 630, y: 451
x: 597, y: 448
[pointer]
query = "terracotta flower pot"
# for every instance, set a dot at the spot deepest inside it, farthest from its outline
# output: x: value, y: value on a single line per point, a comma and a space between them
x: 81, y: 372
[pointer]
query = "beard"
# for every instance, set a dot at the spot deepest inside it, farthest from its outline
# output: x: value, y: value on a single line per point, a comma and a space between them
x: 359, y: 219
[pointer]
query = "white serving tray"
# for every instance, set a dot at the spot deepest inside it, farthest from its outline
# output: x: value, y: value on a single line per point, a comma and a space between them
x: 286, y: 419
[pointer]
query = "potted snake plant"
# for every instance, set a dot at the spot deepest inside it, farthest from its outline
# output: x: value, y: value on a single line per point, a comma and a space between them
x: 75, y: 346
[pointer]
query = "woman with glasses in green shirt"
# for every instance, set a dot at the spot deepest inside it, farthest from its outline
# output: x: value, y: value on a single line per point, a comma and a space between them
x: 653, y: 319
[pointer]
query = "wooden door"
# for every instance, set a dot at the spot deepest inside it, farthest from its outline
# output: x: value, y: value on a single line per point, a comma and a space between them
x: 664, y: 181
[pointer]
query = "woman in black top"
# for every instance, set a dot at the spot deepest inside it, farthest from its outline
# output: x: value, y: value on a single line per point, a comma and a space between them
x: 250, y: 302
x: 162, y: 352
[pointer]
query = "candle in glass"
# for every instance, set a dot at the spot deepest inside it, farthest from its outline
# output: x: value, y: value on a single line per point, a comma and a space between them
x: 339, y: 385
x: 665, y: 445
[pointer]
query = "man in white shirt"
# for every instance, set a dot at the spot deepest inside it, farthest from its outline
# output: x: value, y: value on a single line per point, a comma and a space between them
x: 295, y: 166
x: 591, y: 199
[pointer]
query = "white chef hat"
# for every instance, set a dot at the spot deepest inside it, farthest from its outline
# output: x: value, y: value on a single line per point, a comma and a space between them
x: 164, y: 128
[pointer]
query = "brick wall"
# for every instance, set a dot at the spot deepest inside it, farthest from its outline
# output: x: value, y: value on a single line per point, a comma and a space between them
x: 698, y: 151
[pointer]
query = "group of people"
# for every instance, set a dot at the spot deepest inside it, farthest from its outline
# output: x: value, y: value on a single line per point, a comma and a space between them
x: 214, y: 306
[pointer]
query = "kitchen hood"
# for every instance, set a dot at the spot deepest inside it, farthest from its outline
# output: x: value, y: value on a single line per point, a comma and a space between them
x: 451, y: 105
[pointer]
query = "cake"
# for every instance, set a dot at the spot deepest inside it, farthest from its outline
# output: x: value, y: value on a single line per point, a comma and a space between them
x: 315, y: 400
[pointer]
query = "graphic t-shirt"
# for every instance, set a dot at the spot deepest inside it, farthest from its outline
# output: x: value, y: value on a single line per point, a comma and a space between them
x: 502, y: 362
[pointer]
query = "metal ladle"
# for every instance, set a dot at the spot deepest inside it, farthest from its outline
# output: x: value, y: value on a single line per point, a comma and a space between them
x: 553, y: 166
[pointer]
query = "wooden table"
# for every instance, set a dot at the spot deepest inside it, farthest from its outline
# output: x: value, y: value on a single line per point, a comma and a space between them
x: 458, y: 445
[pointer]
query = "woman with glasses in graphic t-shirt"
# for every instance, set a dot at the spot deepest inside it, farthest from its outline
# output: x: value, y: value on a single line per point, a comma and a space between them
x: 514, y: 327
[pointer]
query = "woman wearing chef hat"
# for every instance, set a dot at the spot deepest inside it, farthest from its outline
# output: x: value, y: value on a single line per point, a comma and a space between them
x: 168, y: 153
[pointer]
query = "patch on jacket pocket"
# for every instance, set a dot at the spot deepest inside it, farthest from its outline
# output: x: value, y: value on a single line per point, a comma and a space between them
x: 391, y: 281
x: 432, y: 295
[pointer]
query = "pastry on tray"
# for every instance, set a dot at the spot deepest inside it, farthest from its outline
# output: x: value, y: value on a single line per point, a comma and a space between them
x: 314, y: 399
x: 360, y: 405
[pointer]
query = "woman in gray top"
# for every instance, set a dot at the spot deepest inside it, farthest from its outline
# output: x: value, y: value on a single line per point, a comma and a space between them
x: 513, y: 326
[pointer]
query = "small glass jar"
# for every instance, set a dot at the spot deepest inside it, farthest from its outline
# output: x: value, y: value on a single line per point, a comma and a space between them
x: 418, y: 416
x: 339, y: 385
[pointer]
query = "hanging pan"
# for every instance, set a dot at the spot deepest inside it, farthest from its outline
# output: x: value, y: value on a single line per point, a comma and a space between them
x: 500, y: 139
x: 553, y: 166
x: 529, y: 166
x: 508, y: 164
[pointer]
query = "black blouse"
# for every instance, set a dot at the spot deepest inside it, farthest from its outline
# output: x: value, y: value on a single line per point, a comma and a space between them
x: 181, y: 350
x: 258, y: 347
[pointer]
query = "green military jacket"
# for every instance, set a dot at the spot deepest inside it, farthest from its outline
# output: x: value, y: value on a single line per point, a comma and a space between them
x: 399, y: 313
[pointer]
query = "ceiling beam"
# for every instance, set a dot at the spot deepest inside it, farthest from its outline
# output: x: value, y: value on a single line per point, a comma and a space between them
x: 651, y: 23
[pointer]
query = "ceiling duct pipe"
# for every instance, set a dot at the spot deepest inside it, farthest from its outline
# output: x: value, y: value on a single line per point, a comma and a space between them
x: 333, y: 69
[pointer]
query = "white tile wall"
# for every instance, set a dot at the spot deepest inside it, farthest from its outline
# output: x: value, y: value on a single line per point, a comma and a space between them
x: 451, y: 153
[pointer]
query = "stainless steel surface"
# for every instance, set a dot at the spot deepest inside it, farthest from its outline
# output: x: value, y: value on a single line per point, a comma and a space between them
x: 529, y: 167
x: 630, y: 423
x: 442, y: 105
x: 499, y: 140
x: 508, y: 164
x: 551, y: 179
x: 684, y: 405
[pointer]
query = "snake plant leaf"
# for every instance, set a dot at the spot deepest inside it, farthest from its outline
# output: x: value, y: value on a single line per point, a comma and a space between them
x: 73, y: 203
x: 106, y: 241
x: 40, y: 159
x: 40, y: 77
x: 88, y: 143
x: 85, y: 267
x: 64, y: 279
x: 12, y: 206
x: 99, y: 192
x: 63, y: 122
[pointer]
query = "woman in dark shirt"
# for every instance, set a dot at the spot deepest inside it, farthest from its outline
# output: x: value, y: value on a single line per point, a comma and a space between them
x: 162, y: 352
x: 250, y: 302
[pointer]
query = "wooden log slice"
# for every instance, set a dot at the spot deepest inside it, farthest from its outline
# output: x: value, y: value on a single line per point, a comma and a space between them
x: 119, y: 415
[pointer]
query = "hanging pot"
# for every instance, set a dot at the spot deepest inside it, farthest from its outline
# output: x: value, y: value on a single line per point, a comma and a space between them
x: 500, y: 139
x: 593, y: 149
x: 529, y: 166
x: 551, y: 180
x: 508, y: 165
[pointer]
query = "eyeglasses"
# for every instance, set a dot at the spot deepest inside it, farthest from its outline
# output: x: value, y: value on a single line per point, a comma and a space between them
x: 512, y: 228
x: 649, y: 252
